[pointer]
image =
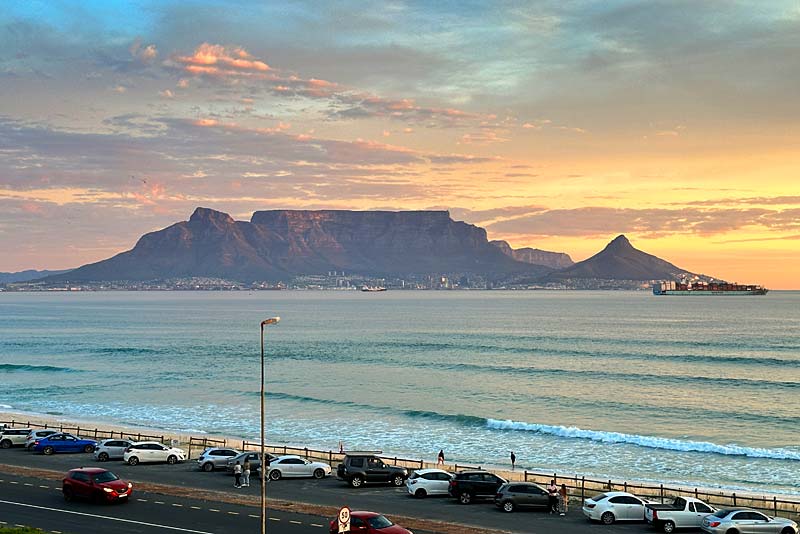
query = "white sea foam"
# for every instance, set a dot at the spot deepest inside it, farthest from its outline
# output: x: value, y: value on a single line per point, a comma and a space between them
x: 652, y: 442
x: 6, y: 407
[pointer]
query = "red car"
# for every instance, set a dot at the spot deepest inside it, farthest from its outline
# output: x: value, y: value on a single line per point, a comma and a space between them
x: 99, y: 485
x: 370, y: 523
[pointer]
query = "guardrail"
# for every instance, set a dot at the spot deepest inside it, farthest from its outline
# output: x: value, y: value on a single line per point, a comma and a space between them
x: 578, y: 487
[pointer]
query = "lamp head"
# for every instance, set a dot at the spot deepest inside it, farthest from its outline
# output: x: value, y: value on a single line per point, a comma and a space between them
x: 271, y: 320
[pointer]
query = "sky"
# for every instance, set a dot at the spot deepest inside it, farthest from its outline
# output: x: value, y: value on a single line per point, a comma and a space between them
x: 552, y: 124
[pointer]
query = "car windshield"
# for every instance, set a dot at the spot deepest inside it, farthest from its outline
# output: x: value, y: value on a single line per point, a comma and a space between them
x: 721, y: 513
x: 379, y: 522
x: 108, y: 476
x: 598, y: 498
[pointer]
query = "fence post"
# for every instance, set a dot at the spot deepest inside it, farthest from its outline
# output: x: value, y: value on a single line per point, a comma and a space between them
x: 583, y: 488
x: 662, y: 493
x: 625, y: 486
x: 695, y: 493
x: 775, y: 505
x: 306, y: 449
x: 734, y: 498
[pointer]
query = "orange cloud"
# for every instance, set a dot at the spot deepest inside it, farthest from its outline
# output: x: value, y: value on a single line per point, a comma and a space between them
x: 220, y: 61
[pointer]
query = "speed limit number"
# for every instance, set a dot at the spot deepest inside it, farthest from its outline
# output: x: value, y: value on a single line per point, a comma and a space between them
x: 344, y: 519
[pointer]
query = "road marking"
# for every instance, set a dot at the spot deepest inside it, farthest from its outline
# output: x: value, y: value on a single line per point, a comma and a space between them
x: 45, y: 487
x: 159, y: 502
x: 254, y: 515
x: 103, y: 517
x: 233, y: 513
x: 14, y: 482
x: 213, y: 510
x: 27, y: 484
x: 178, y: 505
x: 195, y: 508
x: 20, y: 526
x: 274, y: 519
x: 56, y: 531
x: 295, y: 522
x: 316, y: 525
x: 142, y: 500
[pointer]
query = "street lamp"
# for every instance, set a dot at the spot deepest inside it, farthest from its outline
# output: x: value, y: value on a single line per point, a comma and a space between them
x: 271, y: 320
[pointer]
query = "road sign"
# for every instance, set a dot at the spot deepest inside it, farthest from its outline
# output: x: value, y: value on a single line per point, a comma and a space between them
x: 344, y: 519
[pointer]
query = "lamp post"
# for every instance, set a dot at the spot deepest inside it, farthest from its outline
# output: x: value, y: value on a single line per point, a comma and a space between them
x: 271, y: 320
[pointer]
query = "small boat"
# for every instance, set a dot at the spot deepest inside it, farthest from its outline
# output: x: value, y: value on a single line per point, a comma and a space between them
x: 371, y: 289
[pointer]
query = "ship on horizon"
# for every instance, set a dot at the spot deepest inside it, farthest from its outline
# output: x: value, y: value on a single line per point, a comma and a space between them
x: 702, y: 288
x: 372, y: 289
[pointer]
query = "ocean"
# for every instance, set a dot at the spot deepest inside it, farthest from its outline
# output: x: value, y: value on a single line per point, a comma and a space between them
x: 622, y: 385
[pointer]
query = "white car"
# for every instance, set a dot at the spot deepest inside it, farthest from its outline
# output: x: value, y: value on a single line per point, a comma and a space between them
x: 152, y: 451
x: 111, y: 449
x: 37, y: 434
x: 14, y: 437
x: 614, y: 506
x: 295, y: 466
x: 216, y: 458
x: 424, y: 482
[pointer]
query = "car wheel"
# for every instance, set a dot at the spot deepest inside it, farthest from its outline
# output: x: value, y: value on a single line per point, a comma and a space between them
x: 68, y: 493
x: 787, y: 530
x: 103, y: 456
x: 607, y: 518
x: 508, y: 506
x: 465, y: 497
x: 356, y: 482
x: 668, y: 527
x: 88, y: 448
x: 398, y: 481
x: 48, y: 450
x: 319, y: 473
x: 732, y: 531
x: 208, y: 467
x: 420, y: 493
x: 6, y: 443
x: 172, y: 459
x: 133, y: 460
x: 274, y: 475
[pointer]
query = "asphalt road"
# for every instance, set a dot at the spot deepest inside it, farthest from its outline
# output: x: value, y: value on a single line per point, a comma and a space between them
x: 329, y: 492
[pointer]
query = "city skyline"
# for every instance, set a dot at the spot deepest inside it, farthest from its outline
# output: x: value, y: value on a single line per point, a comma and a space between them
x: 553, y: 125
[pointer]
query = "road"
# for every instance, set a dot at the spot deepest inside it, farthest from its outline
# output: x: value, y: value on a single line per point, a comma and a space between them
x: 179, y: 512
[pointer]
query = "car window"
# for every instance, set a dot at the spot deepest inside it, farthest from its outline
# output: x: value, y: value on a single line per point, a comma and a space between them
x: 691, y: 507
x: 517, y: 489
x: 229, y: 453
x: 80, y: 477
x: 106, y: 476
x: 740, y: 516
x: 379, y: 522
x: 758, y: 516
x: 57, y: 437
x: 702, y: 508
x: 357, y: 462
x: 444, y: 476
x: 295, y: 461
x: 617, y: 500
x: 598, y: 498
x: 357, y: 522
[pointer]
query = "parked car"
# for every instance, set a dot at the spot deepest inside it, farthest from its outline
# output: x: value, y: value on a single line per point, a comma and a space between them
x: 424, y: 482
x: 614, y: 506
x: 467, y: 486
x: 111, y: 449
x: 152, y: 451
x: 514, y: 495
x: 254, y: 458
x: 14, y: 437
x: 745, y: 521
x: 99, y: 485
x: 33, y: 435
x: 359, y: 468
x: 295, y: 466
x: 63, y: 442
x: 369, y: 523
x: 215, y: 458
x: 684, y: 512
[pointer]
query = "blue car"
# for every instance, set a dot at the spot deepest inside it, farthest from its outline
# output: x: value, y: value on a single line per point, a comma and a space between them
x: 63, y: 442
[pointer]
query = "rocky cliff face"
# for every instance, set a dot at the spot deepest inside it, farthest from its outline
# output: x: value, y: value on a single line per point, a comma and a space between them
x: 535, y: 256
x: 278, y: 244
x: 619, y: 260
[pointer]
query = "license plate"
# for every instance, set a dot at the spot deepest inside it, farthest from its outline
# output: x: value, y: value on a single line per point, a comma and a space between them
x: 123, y: 495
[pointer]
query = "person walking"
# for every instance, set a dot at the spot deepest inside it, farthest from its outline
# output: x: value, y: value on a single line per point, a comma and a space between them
x: 246, y: 474
x: 440, y: 458
x: 552, y: 497
x: 563, y: 500
x: 237, y: 473
x: 513, y: 460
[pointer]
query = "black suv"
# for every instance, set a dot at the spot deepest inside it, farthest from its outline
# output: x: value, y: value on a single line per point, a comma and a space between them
x: 466, y: 486
x: 356, y: 469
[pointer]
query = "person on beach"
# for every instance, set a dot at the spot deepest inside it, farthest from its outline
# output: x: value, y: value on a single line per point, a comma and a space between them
x: 552, y: 497
x: 341, y: 447
x: 440, y: 458
x: 513, y: 460
x: 246, y: 474
x: 237, y: 473
x: 563, y: 500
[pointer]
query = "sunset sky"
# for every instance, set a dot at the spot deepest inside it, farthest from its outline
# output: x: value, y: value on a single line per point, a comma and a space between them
x: 553, y: 124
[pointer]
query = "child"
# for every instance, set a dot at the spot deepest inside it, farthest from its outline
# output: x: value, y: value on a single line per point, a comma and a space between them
x: 563, y: 500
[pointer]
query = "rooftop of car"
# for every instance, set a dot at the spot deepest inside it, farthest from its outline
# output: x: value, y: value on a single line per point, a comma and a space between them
x: 430, y: 470
x: 473, y: 471
x: 92, y: 470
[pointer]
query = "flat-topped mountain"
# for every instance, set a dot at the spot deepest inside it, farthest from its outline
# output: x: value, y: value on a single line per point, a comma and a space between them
x: 619, y: 260
x: 554, y: 260
x: 279, y: 244
x: 26, y: 276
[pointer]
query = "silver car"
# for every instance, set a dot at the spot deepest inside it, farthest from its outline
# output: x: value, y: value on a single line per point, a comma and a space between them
x: 215, y: 458
x: 746, y: 521
x: 37, y: 434
x: 111, y: 449
x: 253, y: 457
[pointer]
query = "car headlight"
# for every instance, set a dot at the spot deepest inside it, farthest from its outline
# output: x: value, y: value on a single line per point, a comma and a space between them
x: 108, y: 490
x: 130, y: 485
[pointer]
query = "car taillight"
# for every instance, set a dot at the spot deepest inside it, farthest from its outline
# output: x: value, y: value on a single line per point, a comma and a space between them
x: 35, y: 442
x: 590, y: 505
x: 655, y: 514
x: 128, y: 449
x: 713, y: 524
x: 412, y: 481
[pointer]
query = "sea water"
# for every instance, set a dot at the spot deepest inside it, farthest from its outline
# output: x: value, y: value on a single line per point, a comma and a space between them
x: 623, y: 385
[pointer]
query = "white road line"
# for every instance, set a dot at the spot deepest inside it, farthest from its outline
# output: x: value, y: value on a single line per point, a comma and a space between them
x: 14, y: 482
x: 142, y: 500
x: 104, y: 517
x: 45, y: 487
x: 213, y: 510
x: 27, y: 484
x: 178, y: 505
x: 233, y: 513
x: 253, y: 515
x: 316, y: 525
x: 56, y: 531
x: 195, y: 508
x: 295, y: 522
x: 274, y: 519
x: 159, y: 502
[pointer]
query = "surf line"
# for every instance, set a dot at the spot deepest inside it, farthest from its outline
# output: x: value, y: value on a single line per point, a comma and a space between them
x: 103, y: 517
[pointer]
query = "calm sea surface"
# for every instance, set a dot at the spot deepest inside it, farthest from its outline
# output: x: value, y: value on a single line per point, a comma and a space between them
x: 614, y: 384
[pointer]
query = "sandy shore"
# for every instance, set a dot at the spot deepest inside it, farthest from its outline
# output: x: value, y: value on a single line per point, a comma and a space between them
x: 577, y: 486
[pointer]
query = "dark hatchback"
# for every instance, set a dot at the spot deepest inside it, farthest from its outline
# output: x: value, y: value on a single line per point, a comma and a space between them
x: 516, y: 495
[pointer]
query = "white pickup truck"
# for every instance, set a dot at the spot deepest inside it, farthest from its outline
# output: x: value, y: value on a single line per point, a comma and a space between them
x: 684, y: 512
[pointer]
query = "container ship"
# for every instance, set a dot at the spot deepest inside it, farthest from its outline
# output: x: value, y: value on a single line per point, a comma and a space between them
x: 706, y: 288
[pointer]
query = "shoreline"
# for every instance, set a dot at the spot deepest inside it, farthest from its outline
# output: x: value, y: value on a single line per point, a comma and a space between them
x: 783, y: 502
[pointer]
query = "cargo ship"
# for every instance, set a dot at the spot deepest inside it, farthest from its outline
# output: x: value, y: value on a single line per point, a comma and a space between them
x: 706, y: 288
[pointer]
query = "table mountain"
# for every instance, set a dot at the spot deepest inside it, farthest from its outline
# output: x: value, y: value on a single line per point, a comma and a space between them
x: 554, y: 260
x: 26, y: 276
x: 621, y: 261
x: 279, y: 244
